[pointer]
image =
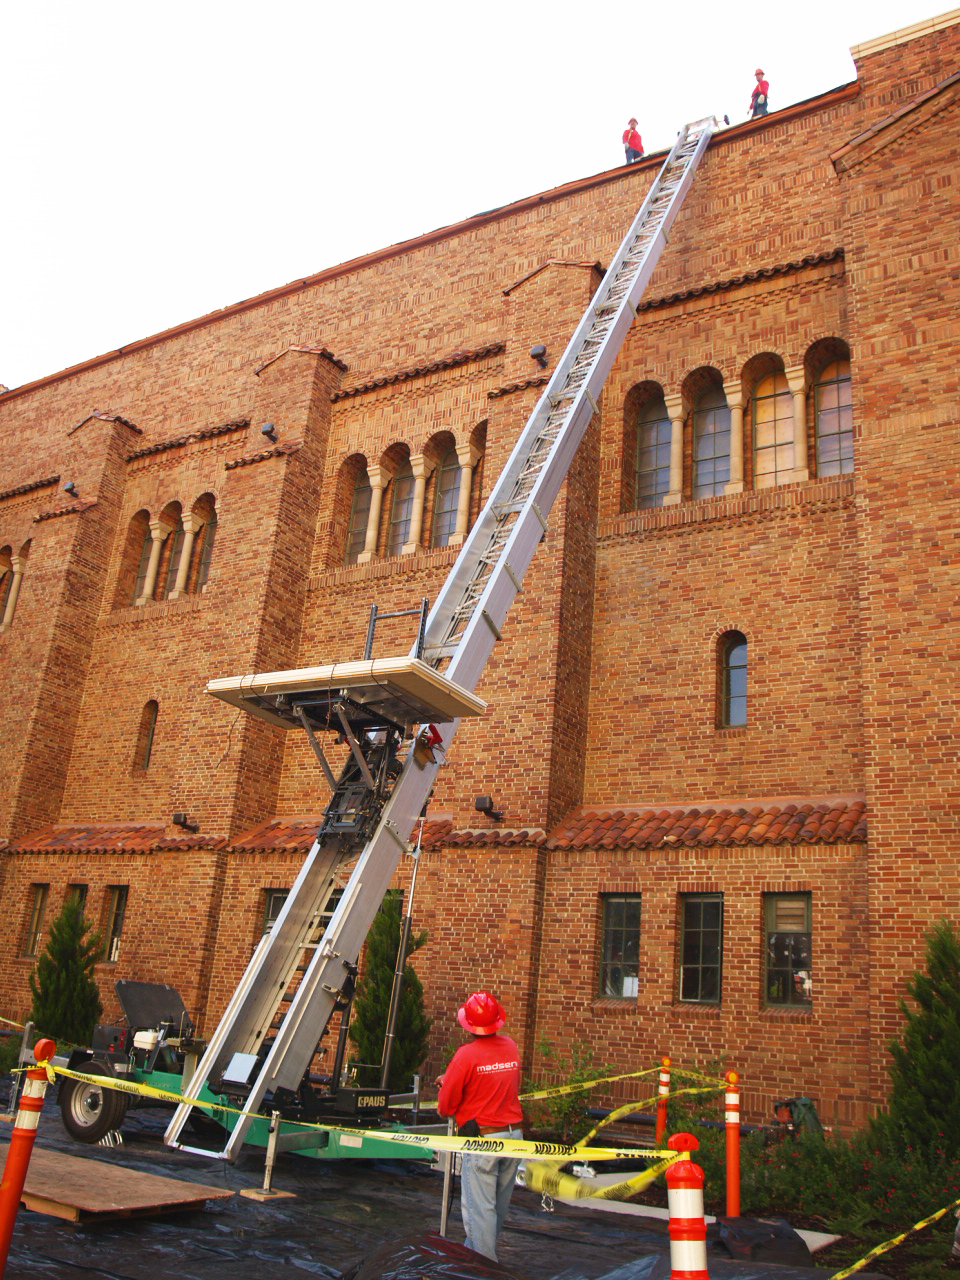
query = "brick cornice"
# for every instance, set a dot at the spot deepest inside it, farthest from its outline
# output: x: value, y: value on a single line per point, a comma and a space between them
x: 29, y: 487
x: 421, y: 370
x: 193, y: 437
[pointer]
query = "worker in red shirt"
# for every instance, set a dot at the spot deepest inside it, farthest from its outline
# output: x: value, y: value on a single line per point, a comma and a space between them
x: 480, y: 1088
x: 758, y: 99
x: 632, y: 143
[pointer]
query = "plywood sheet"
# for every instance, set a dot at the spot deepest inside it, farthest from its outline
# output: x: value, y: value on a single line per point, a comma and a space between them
x: 82, y: 1189
x: 404, y: 689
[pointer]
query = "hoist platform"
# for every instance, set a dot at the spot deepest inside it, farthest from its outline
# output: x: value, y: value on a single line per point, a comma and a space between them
x: 403, y: 690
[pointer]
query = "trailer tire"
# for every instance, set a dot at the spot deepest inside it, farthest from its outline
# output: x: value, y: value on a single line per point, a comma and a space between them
x: 89, y: 1112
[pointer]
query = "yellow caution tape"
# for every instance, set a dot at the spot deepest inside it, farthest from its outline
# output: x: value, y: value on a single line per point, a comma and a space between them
x: 629, y: 1107
x: 892, y: 1244
x: 545, y: 1177
x: 559, y: 1090
x: 428, y: 1141
x: 9, y: 1023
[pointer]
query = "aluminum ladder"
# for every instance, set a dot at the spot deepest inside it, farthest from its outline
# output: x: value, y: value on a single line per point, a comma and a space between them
x: 461, y: 630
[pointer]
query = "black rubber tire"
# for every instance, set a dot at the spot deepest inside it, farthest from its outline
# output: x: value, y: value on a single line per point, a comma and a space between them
x: 88, y: 1111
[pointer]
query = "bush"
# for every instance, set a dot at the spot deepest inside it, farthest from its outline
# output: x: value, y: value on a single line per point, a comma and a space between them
x: 66, y: 999
x: 924, y: 1108
x: 371, y: 1006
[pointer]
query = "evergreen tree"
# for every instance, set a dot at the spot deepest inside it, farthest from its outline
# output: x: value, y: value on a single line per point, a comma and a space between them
x: 371, y: 1005
x: 924, y: 1107
x: 66, y: 999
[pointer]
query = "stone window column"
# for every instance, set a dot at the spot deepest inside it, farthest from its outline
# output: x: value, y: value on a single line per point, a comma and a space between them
x: 674, y: 494
x: 379, y: 479
x: 17, y: 564
x: 734, y: 394
x: 421, y: 467
x: 468, y: 457
x: 192, y: 524
x: 159, y: 529
x: 797, y: 382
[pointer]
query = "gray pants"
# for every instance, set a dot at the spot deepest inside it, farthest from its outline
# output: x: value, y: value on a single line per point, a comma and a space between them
x: 486, y: 1185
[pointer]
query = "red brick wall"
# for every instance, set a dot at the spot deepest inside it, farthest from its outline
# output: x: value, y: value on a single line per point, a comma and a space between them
x: 818, y: 230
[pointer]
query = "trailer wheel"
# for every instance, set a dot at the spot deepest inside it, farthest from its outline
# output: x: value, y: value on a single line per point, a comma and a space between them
x: 89, y: 1111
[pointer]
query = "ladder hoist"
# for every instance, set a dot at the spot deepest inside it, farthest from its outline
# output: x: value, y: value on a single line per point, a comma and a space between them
x: 394, y: 713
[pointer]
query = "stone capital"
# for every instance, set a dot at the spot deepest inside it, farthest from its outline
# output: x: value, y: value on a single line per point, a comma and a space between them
x: 674, y: 404
x: 796, y: 379
x: 734, y: 393
x: 379, y: 476
x: 467, y: 455
x: 421, y: 465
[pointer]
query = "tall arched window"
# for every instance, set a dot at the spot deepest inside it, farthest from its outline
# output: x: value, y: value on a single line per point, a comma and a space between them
x: 711, y: 443
x: 401, y: 509
x: 834, y: 413
x: 144, y: 745
x: 141, y: 578
x: 175, y: 540
x: 205, y: 554
x: 359, y: 515
x: 653, y: 454
x: 6, y: 578
x: 446, y: 500
x: 732, y: 673
x: 772, y: 432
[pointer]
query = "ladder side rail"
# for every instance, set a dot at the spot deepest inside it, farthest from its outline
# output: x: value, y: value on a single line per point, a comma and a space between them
x: 268, y: 973
x: 315, y: 999
x: 462, y: 572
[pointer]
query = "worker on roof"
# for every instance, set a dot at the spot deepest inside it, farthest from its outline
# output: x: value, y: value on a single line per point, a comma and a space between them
x: 758, y: 99
x: 481, y: 1088
x: 632, y: 142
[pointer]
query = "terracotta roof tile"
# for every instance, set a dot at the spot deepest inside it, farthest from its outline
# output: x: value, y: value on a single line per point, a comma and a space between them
x: 820, y: 822
x: 92, y: 838
x: 420, y: 370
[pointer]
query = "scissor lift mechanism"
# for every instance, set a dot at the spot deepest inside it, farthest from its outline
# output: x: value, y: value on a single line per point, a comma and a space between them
x: 383, y: 709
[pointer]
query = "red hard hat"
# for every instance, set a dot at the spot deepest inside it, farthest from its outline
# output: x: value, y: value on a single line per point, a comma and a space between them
x: 482, y: 1015
x: 759, y: 71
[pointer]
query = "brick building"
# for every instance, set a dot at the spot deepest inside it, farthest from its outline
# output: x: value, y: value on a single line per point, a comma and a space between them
x: 721, y: 737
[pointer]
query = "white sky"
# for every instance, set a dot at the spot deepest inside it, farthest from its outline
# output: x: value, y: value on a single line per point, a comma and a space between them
x: 163, y: 160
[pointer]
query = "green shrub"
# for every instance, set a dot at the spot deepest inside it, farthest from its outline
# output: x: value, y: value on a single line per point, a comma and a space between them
x: 924, y: 1107
x: 371, y: 1007
x: 66, y: 999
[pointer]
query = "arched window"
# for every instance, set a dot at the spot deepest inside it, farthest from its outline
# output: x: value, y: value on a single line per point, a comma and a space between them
x: 359, y: 515
x: 144, y: 745
x: 401, y: 509
x: 834, y: 413
x: 6, y: 578
x: 141, y: 578
x: 732, y: 663
x: 446, y: 500
x: 772, y: 432
x: 711, y: 443
x: 205, y: 553
x: 653, y: 454
x: 175, y: 540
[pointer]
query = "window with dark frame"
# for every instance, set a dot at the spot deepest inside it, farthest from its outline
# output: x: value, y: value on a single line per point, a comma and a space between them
x: 273, y: 900
x: 359, y: 515
x: 141, y: 579
x: 653, y: 455
x: 206, y: 539
x: 116, y: 910
x: 145, y: 734
x: 176, y: 540
x: 833, y: 408
x: 711, y: 444
x: 732, y: 657
x: 401, y: 509
x: 446, y: 500
x: 78, y: 893
x: 701, y: 947
x: 788, y: 978
x: 38, y: 909
x: 619, y: 976
x: 772, y: 432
